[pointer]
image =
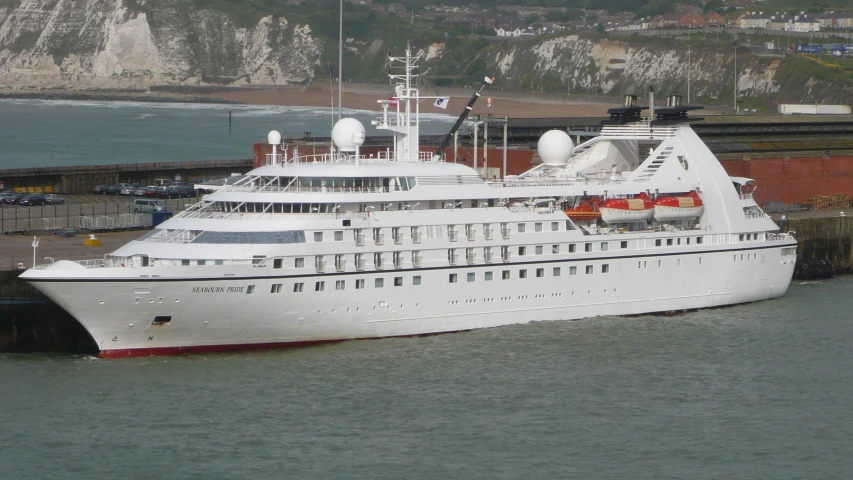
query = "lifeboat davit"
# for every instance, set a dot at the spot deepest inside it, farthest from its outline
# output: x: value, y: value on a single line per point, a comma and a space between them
x: 627, y: 210
x: 678, y: 208
x: 587, y: 210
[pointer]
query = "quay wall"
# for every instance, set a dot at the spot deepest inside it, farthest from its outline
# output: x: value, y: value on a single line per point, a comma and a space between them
x: 81, y: 178
x: 829, y: 237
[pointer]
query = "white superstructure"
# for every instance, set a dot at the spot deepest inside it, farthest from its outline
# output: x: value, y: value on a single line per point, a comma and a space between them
x: 340, y: 246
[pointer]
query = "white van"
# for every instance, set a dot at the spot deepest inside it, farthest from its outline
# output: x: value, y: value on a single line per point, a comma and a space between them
x: 141, y: 205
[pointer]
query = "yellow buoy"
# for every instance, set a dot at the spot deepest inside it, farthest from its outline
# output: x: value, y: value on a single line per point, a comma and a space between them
x: 92, y: 241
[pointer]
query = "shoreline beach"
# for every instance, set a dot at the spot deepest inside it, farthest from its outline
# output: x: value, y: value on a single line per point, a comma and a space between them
x: 359, y: 97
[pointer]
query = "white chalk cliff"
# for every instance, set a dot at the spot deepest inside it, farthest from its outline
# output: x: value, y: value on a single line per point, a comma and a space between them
x: 133, y: 44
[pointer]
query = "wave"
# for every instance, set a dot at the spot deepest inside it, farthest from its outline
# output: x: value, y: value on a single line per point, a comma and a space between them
x: 238, y: 110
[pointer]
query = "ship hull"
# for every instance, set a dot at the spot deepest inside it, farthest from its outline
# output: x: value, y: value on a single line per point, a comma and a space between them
x: 127, y: 316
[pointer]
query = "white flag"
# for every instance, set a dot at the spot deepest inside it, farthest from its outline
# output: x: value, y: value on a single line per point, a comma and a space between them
x: 441, y: 102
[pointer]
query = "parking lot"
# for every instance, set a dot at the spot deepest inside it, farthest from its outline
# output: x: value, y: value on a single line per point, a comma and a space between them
x: 83, y: 212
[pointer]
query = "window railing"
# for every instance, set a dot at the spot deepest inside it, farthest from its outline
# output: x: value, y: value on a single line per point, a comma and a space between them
x: 341, y: 266
x: 379, y: 239
x: 398, y: 239
x: 487, y: 234
x: 416, y: 237
x: 359, y: 239
x: 452, y: 235
x: 320, y: 266
x: 472, y: 235
x: 359, y: 265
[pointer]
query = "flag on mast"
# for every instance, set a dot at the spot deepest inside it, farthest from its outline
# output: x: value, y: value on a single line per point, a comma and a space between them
x: 441, y: 102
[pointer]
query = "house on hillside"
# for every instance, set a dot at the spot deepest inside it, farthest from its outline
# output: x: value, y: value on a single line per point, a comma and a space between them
x: 682, y: 20
x: 714, y: 19
x: 803, y: 23
x: 753, y: 20
x: 832, y: 20
x: 779, y: 21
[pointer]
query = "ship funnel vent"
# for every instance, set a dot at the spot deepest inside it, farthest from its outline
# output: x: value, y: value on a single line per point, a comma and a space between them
x: 673, y: 101
x: 630, y: 101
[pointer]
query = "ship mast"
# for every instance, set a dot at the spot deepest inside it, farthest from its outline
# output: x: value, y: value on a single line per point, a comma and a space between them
x: 403, y: 123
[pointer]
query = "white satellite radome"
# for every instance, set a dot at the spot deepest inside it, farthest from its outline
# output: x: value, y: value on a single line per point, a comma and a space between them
x: 274, y: 138
x: 555, y: 147
x: 348, y: 134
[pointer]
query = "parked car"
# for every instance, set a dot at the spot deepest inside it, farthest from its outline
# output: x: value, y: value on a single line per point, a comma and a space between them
x: 138, y: 191
x: 32, y: 199
x: 13, y: 199
x: 151, y: 192
x: 128, y: 188
x: 143, y: 205
x: 5, y: 195
x: 105, y: 190
x: 53, y: 199
x: 172, y: 191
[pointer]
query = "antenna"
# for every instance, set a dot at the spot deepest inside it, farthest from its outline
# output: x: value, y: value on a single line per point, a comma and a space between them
x: 340, y: 61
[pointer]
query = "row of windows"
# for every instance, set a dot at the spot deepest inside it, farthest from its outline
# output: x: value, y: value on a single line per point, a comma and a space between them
x: 320, y: 286
x: 669, y: 241
x: 522, y: 273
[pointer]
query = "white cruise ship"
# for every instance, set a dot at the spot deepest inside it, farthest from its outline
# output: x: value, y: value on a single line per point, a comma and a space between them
x: 310, y: 249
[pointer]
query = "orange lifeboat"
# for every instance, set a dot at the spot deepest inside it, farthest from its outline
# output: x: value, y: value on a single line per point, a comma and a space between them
x: 678, y: 207
x: 587, y: 210
x: 626, y: 210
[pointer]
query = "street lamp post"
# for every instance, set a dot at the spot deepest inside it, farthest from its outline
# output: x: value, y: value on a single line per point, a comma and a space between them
x: 689, y: 70
x: 736, y: 110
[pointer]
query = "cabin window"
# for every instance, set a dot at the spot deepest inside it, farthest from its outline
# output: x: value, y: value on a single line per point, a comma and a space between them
x: 276, y: 288
x: 201, y: 262
x: 740, y: 237
x: 451, y: 278
x: 277, y: 263
x: 522, y: 273
x: 505, y: 275
x: 522, y: 250
x: 185, y: 262
x: 668, y: 242
x: 604, y: 246
x: 587, y: 247
x: 555, y: 226
x: 319, y: 286
x: 472, y: 276
x: 699, y: 240
x: 605, y: 268
x: 658, y: 242
x: 540, y: 272
x: 161, y: 320
x: 378, y: 282
x: 298, y: 287
x: 555, y: 249
x: 537, y: 226
x: 623, y: 244
x: 359, y: 284
x: 318, y: 236
x: 539, y: 249
x: 573, y: 270
x: 588, y: 269
x: 521, y: 227
x: 341, y: 285
x: 488, y: 276
x: 416, y: 280
x: 339, y: 235
x: 250, y: 290
x: 398, y: 281
x: 556, y: 272
x: 298, y: 262
x: 571, y: 248
x: 688, y: 240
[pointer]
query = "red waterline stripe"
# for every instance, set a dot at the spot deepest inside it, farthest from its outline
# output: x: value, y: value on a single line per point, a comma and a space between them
x: 240, y: 347
x: 163, y: 351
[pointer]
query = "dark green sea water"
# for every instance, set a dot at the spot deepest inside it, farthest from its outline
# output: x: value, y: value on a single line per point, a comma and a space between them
x: 761, y: 391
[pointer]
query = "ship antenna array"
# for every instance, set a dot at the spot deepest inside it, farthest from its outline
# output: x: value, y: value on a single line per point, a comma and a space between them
x: 409, y: 64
